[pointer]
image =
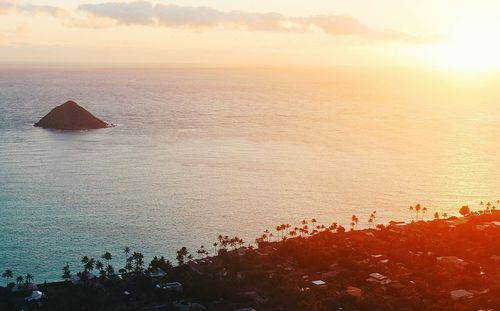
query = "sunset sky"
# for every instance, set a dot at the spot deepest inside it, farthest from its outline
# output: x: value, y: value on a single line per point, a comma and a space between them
x: 454, y: 34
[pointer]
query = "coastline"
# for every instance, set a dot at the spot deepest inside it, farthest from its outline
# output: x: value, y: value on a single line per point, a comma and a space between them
x: 430, y: 263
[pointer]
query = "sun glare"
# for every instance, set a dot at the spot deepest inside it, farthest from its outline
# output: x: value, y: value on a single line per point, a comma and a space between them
x: 470, y: 46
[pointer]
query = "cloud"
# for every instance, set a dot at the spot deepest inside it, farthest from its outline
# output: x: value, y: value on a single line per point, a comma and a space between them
x: 7, y: 6
x: 141, y: 12
x: 173, y: 16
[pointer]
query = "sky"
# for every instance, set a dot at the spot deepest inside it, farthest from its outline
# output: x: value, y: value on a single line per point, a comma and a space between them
x: 454, y: 34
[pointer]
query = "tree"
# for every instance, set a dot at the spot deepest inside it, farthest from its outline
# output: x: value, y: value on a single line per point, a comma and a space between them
x: 29, y: 278
x: 465, y: 210
x: 89, y: 265
x: 138, y: 260
x: 20, y: 280
x: 99, y: 265
x: 108, y: 257
x: 66, y: 272
x: 354, y: 221
x: 418, y: 208
x: 85, y: 260
x: 110, y: 270
x: 202, y: 252
x: 126, y: 250
x: 371, y: 219
x: 182, y: 255
x: 8, y: 275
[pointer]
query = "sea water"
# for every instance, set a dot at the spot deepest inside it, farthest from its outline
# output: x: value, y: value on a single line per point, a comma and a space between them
x: 202, y: 152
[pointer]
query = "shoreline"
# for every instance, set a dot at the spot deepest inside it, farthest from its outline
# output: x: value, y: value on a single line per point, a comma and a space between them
x: 400, y: 261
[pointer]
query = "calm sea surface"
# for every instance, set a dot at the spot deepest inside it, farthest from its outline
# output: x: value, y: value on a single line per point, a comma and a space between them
x: 198, y: 152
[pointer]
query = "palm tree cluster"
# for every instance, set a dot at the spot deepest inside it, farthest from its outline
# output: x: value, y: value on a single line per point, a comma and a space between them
x: 354, y: 221
x: 371, y: 219
x: 226, y: 242
x: 485, y: 208
x: 202, y: 252
x: 27, y: 279
x: 135, y: 263
x: 304, y: 229
x: 417, y: 209
x: 89, y: 265
x: 8, y: 274
x: 183, y: 256
x: 490, y: 208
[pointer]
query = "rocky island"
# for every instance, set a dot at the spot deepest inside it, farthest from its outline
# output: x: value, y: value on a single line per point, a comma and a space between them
x: 72, y: 117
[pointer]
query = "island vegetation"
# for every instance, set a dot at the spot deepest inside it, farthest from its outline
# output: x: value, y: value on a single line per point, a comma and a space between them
x: 443, y: 263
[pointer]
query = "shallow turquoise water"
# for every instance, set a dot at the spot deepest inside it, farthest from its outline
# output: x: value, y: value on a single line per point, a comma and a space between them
x: 202, y: 152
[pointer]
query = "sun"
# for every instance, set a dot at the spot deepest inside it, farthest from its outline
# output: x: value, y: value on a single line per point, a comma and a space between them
x: 470, y: 46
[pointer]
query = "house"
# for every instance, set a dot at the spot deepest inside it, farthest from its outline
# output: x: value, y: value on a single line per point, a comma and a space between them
x: 460, y: 294
x: 156, y: 275
x: 378, y: 278
x: 35, y: 296
x: 329, y: 275
x: 397, y: 223
x: 173, y: 286
x: 319, y: 283
x: 354, y: 291
x: 452, y: 261
x: 77, y: 279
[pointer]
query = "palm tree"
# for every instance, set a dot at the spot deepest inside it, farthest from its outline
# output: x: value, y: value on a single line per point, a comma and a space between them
x: 8, y: 275
x: 89, y: 265
x: 85, y: 260
x: 354, y: 221
x: 313, y: 222
x: 126, y: 250
x: 29, y: 278
x: 182, y: 254
x: 278, y: 229
x: 99, y: 265
x: 20, y: 280
x: 436, y: 215
x: 202, y: 252
x: 110, y: 270
x: 66, y: 272
x: 107, y: 256
x: 333, y: 226
x: 215, y: 248
x: 418, y: 207
x: 138, y: 262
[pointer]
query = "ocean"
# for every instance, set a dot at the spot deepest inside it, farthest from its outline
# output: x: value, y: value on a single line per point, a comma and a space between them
x: 199, y: 152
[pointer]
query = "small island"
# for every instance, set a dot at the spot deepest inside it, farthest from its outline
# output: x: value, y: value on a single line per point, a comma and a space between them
x: 71, y: 117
